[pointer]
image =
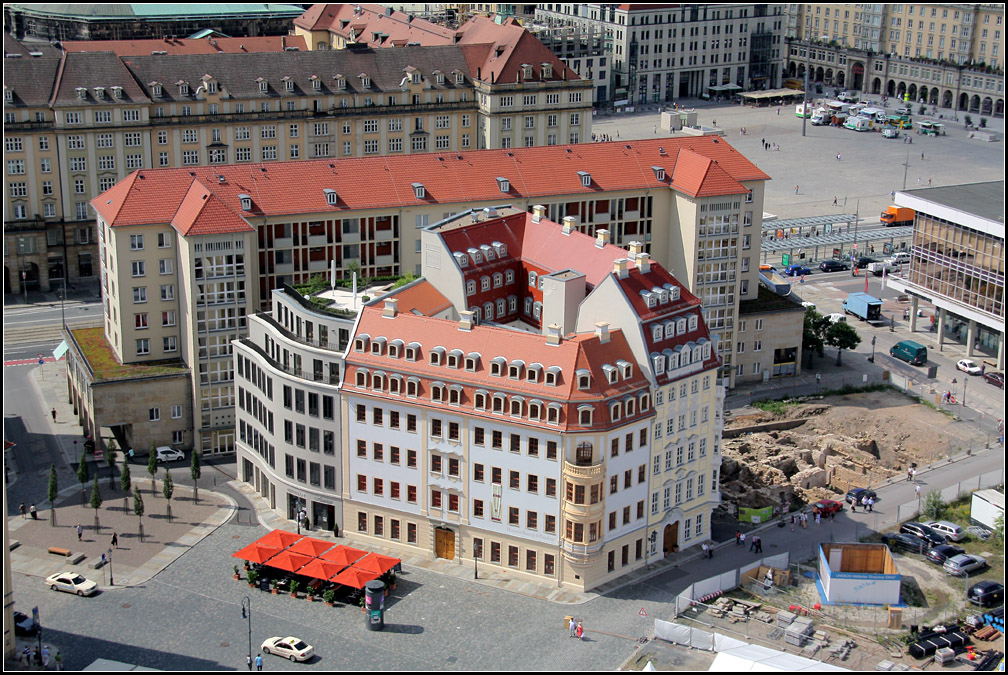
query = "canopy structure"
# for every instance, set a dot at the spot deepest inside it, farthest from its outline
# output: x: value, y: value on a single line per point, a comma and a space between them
x: 377, y: 563
x: 311, y: 546
x: 290, y: 562
x: 278, y: 539
x: 354, y: 577
x: 320, y: 569
x: 256, y: 553
x: 343, y: 555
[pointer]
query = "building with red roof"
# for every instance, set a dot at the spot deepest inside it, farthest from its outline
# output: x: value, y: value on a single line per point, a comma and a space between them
x: 529, y: 438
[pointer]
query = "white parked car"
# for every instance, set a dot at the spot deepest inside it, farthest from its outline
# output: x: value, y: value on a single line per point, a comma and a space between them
x: 167, y: 454
x: 808, y: 305
x: 71, y: 582
x: 968, y: 366
x: 288, y: 647
x: 901, y: 257
x: 837, y: 317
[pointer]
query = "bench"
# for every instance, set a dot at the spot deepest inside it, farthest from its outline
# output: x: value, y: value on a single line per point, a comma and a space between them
x: 56, y: 550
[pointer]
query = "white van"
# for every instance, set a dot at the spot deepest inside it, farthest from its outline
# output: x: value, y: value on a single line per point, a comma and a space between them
x: 950, y: 531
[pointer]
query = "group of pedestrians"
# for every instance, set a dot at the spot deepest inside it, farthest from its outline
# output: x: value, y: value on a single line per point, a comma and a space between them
x: 33, y: 511
x: 867, y: 504
x: 576, y: 628
x: 767, y: 145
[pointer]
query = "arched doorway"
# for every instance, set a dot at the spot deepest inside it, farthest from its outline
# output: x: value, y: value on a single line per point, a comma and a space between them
x: 819, y: 74
x: 444, y: 543
x: 891, y: 88
x: 670, y: 538
x: 987, y: 106
x: 912, y: 91
x: 876, y: 86
x: 933, y: 100
x: 963, y: 101
x: 840, y: 78
x: 922, y: 95
x: 947, y: 99
x: 975, y: 103
x: 857, y: 70
x: 999, y: 108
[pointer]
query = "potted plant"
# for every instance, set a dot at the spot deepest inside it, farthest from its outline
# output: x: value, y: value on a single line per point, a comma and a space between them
x: 329, y: 596
x: 236, y: 574
x: 294, y: 586
x: 252, y: 576
x: 310, y: 594
x: 391, y: 580
x: 361, y: 603
x: 275, y: 587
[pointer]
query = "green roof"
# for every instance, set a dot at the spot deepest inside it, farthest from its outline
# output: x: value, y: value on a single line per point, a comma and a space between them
x: 156, y: 10
x: 103, y: 362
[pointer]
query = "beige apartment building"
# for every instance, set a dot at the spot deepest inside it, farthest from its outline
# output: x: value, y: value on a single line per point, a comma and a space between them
x: 943, y: 55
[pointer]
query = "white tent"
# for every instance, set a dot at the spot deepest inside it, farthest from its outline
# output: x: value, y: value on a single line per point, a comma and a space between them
x: 754, y: 658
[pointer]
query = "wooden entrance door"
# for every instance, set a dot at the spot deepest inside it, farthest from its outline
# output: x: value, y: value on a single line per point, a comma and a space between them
x: 444, y: 543
x: 670, y: 541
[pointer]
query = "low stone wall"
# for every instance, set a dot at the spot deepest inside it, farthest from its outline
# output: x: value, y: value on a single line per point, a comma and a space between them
x: 735, y: 432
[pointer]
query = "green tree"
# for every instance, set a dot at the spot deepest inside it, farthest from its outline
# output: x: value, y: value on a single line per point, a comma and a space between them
x: 83, y: 475
x: 812, y: 334
x: 168, y: 489
x: 934, y: 506
x: 110, y: 453
x: 96, y: 502
x: 842, y: 336
x: 138, y: 509
x: 52, y: 494
x: 998, y: 533
x: 404, y: 280
x: 125, y: 481
x: 152, y: 467
x: 195, y: 472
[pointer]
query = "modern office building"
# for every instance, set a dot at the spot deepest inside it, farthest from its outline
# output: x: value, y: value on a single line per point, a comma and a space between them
x: 943, y: 55
x: 491, y: 412
x: 661, y: 53
x: 957, y: 263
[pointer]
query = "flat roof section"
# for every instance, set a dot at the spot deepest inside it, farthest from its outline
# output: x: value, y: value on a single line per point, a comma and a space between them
x: 984, y: 200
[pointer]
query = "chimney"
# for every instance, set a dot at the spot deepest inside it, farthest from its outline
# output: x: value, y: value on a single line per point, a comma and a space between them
x: 569, y: 222
x: 602, y: 331
x: 390, y: 308
x: 553, y: 334
x: 635, y: 248
x: 643, y: 262
x: 620, y: 268
x: 601, y: 237
x: 538, y: 213
x: 465, y: 320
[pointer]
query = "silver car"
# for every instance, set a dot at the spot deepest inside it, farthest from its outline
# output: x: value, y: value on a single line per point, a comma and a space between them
x: 962, y: 565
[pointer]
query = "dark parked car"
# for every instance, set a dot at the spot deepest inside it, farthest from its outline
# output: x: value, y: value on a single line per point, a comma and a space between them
x: 995, y: 378
x: 923, y: 532
x: 903, y: 542
x: 864, y: 261
x: 833, y: 266
x: 986, y: 593
x: 939, y: 554
x: 828, y: 506
x: 24, y: 625
x: 855, y: 495
x: 796, y: 271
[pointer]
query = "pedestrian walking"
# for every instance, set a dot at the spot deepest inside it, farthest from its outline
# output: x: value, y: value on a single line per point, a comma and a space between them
x: 763, y: 141
x: 23, y: 510
x: 759, y: 544
x: 706, y: 549
x: 832, y: 516
x: 115, y: 540
x: 929, y: 182
x: 909, y: 474
x: 580, y: 631
x: 853, y: 506
x: 792, y: 522
x: 796, y: 189
x: 80, y: 531
x: 656, y: 128
x: 258, y: 661
x: 573, y: 627
x: 742, y: 539
x: 804, y: 520
x: 917, y: 490
x: 752, y: 544
x: 248, y: 661
x: 871, y: 503
x: 838, y: 157
x: 834, y: 200
x: 922, y: 156
x: 914, y: 469
x: 818, y: 518
x: 864, y: 503
x: 54, y: 414
x: 738, y: 537
x: 34, y: 512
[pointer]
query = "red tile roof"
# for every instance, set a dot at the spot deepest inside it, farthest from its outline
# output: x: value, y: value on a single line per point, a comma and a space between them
x: 583, y: 351
x: 422, y: 298
x: 154, y: 195
x: 217, y: 45
x: 202, y: 212
x: 372, y: 19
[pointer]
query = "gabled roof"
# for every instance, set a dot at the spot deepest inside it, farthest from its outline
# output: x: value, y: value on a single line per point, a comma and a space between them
x: 213, y: 45
x: 701, y: 176
x: 30, y: 79
x: 510, y: 47
x: 202, y: 212
x: 421, y: 298
x: 101, y: 69
x: 154, y: 195
x: 371, y: 19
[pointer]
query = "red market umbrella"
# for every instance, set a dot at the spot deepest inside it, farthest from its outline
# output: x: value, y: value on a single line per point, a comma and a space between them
x: 343, y: 555
x: 377, y: 563
x: 278, y: 539
x: 291, y: 562
x: 256, y: 553
x: 354, y: 577
x: 311, y: 546
x: 320, y: 569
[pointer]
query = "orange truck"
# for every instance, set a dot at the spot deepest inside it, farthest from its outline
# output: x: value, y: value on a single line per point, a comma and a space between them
x: 896, y: 216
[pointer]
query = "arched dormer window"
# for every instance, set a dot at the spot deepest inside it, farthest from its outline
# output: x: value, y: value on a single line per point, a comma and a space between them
x: 553, y: 413
x: 614, y: 411
x: 516, y: 405
x: 497, y: 364
x: 583, y: 378
x: 585, y: 415
x: 362, y: 377
x: 497, y: 403
x: 480, y: 399
x: 437, y: 355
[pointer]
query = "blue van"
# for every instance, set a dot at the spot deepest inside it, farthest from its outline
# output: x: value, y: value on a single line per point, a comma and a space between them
x: 912, y: 352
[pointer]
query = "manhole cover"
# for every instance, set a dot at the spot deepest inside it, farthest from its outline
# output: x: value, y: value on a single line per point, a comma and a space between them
x: 126, y: 605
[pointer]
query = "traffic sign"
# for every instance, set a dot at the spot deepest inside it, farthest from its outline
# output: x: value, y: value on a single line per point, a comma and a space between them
x: 785, y: 259
x: 642, y: 612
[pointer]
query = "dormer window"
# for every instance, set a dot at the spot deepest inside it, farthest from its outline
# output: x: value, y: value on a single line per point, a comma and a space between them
x: 330, y: 196
x: 316, y: 82
x: 657, y: 333
x: 246, y: 202
x: 361, y: 343
x: 419, y: 191
x: 552, y: 376
x: 476, y: 256
x: 437, y: 355
x: 516, y: 406
x: 553, y: 413
x: 497, y: 366
x: 480, y: 400
x: 645, y: 402
x: 8, y: 95
x: 412, y: 351
x: 706, y: 350
x: 365, y: 80
x: 659, y: 172
x: 288, y: 83
x: 534, y: 372
x: 99, y: 93
x: 437, y: 391
x: 504, y: 184
x: 515, y: 370
x: 461, y: 258
x: 454, y: 358
x: 583, y: 379
x: 211, y: 86
x: 81, y: 93
x: 526, y: 70
x: 362, y: 377
x: 378, y: 382
x: 340, y: 82
x: 658, y: 363
x: 395, y: 348
x: 626, y: 368
x: 377, y: 346
x: 472, y: 362
x: 454, y: 395
x: 535, y: 410
x: 673, y: 292
x: 614, y: 411
x: 415, y: 77
x: 585, y: 413
x: 155, y: 89
x: 439, y: 77
x: 498, y: 404
x: 681, y: 326
x: 459, y: 77
x: 546, y: 70
x: 693, y: 322
x: 263, y: 85
x: 611, y: 374
x: 395, y: 384
x: 183, y: 88
x: 585, y: 178
x: 412, y: 387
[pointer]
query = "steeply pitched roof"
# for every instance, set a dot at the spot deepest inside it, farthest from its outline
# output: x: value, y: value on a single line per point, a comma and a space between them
x: 217, y: 45
x: 511, y: 46
x: 448, y: 178
x: 30, y: 79
x: 202, y: 212
x: 87, y: 71
x: 389, y: 24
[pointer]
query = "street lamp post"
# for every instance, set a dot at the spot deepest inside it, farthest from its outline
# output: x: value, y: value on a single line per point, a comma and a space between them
x: 247, y: 614
x: 965, y: 380
x: 24, y: 271
x: 111, y: 580
x: 475, y: 563
x: 906, y: 167
x: 872, y: 357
